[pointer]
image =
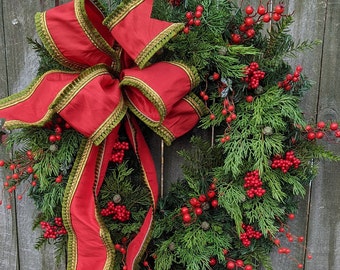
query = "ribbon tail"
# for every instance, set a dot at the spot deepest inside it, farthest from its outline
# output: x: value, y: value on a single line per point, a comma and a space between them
x: 138, y: 245
x: 31, y: 107
x: 89, y: 242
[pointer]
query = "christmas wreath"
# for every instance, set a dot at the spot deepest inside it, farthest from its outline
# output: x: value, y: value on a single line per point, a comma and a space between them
x: 113, y: 73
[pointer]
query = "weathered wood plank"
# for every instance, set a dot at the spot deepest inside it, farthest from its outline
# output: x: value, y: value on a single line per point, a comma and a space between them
x: 324, y: 237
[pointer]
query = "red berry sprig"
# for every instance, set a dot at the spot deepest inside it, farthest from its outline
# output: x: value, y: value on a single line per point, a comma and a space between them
x: 254, y: 184
x: 285, y: 163
x: 253, y: 75
x: 285, y: 250
x: 321, y: 130
x: 248, y: 234
x: 291, y: 79
x: 193, y: 19
x: 118, y: 212
x: 53, y: 230
x: 118, y: 151
x: 262, y: 14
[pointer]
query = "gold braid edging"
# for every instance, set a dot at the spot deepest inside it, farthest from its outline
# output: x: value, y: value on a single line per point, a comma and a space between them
x: 72, y: 184
x: 150, y: 94
x: 157, y: 43
x: 104, y: 232
x: 91, y: 32
x: 120, y: 12
x: 46, y: 38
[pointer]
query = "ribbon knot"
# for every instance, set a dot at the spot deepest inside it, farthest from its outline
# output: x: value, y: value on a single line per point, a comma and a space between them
x: 110, y: 75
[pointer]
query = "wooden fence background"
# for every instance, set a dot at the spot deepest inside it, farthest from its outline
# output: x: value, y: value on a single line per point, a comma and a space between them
x: 318, y: 219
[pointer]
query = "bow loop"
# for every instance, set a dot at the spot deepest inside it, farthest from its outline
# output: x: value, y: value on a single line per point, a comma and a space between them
x: 138, y: 34
x: 153, y: 91
x: 74, y: 35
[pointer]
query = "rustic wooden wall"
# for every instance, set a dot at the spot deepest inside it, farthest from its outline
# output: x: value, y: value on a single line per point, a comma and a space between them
x: 319, y: 215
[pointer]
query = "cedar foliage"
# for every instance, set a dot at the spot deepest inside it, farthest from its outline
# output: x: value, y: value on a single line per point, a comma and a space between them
x: 175, y: 244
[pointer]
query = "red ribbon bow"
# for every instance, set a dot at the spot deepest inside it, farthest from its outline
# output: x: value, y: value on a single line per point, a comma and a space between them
x: 95, y: 97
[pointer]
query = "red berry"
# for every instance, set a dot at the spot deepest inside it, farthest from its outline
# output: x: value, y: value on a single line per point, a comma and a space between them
x: 276, y: 16
x: 19, y: 197
x: 186, y: 30
x: 291, y: 216
x: 212, y: 117
x: 214, y: 203
x: 236, y: 38
x: 230, y: 265
x: 198, y: 14
x: 249, y: 21
x: 200, y: 8
x: 197, y: 22
x: 249, y: 98
x: 198, y: 211
x: 319, y: 134
x: 212, y: 261
x: 309, y: 257
x: 52, y: 138
x: 215, y: 76
x: 249, y: 10
x: 300, y: 266
x: 250, y: 33
x: 311, y: 136
x: 186, y: 218
x: 321, y: 125
x: 2, y: 163
x: 333, y: 126
x: 145, y: 263
x: 189, y: 15
x: 239, y: 263
x: 266, y: 18
x: 248, y: 267
x: 261, y: 10
x: 337, y: 133
x: 279, y: 9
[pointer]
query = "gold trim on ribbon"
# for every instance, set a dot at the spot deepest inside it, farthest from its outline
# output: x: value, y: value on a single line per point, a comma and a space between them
x: 157, y: 43
x: 122, y: 10
x: 46, y: 38
x: 191, y: 72
x: 91, y: 32
x: 197, y: 104
x: 150, y: 94
x: 71, y: 187
x: 104, y: 232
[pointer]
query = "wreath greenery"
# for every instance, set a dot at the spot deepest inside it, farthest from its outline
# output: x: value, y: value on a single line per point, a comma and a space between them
x: 238, y: 187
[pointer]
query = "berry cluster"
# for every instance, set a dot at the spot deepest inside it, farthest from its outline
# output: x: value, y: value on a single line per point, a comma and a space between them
x: 254, y: 184
x: 321, y: 130
x: 54, y: 229
x: 246, y: 29
x: 118, y: 151
x: 119, y: 212
x: 285, y: 163
x: 290, y: 79
x: 193, y: 18
x: 198, y: 205
x: 248, y: 234
x: 253, y: 75
x: 58, y: 125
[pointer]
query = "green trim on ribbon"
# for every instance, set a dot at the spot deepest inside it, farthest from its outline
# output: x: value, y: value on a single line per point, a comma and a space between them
x: 120, y: 12
x: 71, y: 187
x: 157, y: 43
x: 91, y: 32
x: 150, y: 94
x: 51, y: 47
